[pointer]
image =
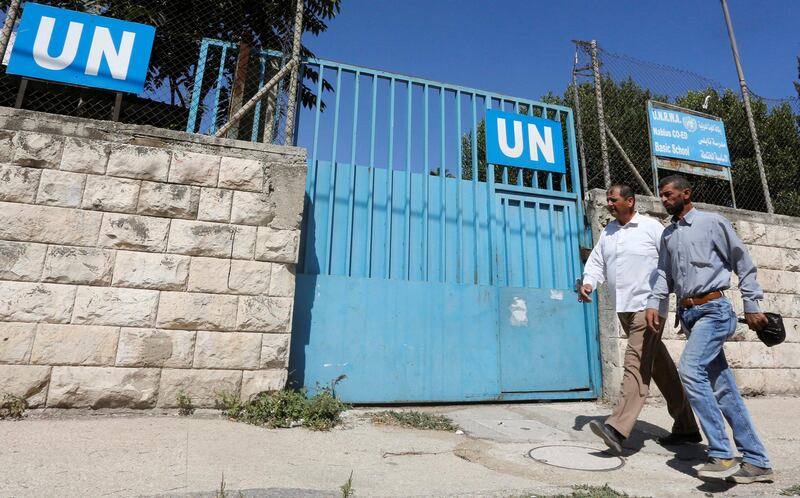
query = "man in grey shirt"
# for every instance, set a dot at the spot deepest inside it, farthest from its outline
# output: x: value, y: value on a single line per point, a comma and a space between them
x: 698, y: 252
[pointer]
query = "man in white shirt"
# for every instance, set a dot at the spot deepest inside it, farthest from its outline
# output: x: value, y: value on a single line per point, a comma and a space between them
x: 626, y: 257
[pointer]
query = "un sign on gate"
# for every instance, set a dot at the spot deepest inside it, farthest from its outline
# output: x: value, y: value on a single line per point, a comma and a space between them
x: 81, y: 49
x: 524, y: 141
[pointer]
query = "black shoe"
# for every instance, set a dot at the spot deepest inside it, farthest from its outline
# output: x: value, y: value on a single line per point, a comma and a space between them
x: 608, y: 434
x: 676, y: 439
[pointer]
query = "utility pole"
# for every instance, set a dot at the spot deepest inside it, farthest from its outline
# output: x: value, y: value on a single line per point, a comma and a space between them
x: 746, y: 96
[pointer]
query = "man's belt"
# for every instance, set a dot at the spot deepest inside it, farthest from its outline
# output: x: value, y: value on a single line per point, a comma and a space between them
x: 688, y: 302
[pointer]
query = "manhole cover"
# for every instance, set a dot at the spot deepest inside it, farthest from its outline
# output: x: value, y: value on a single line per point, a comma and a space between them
x: 576, y: 458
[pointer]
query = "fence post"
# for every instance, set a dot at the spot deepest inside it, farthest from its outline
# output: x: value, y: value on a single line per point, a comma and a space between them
x: 601, y: 120
x: 746, y: 96
x: 290, y: 109
x: 8, y: 25
x: 579, y: 128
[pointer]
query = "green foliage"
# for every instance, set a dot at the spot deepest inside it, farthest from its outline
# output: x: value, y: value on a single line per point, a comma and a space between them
x: 185, y: 406
x: 791, y: 491
x: 413, y: 419
x: 285, y: 408
x: 12, y: 407
x: 585, y: 491
x: 347, y: 487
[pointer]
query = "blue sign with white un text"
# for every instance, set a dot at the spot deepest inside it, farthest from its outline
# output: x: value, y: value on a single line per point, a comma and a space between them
x: 687, y: 136
x: 524, y: 141
x: 81, y: 49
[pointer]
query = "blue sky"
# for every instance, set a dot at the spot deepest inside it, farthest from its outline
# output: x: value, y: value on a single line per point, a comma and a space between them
x: 523, y: 48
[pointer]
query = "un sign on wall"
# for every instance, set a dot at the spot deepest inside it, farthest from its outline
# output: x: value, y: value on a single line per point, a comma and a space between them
x: 81, y: 49
x: 524, y: 141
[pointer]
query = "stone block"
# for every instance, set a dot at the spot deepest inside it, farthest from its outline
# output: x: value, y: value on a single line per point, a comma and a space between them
x: 786, y: 304
x: 26, y: 381
x: 264, y: 314
x: 151, y: 270
x: 756, y: 355
x: 783, y: 236
x: 16, y: 340
x: 114, y: 306
x: 19, y: 184
x: 227, y: 350
x: 750, y: 232
x: 249, y: 277
x: 21, y: 261
x: 767, y: 257
x: 155, y: 348
x: 169, y: 200
x: 215, y: 205
x: 791, y: 259
x: 203, y: 386
x: 78, y: 265
x: 32, y: 302
x: 194, y: 311
x: 751, y: 382
x: 85, y: 156
x: 282, y: 283
x: 135, y: 161
x: 107, y: 193
x: 103, y: 387
x: 733, y: 353
x: 288, y: 185
x: 209, y: 275
x: 786, y: 355
x: 792, y: 329
x: 244, y: 242
x: 51, y: 225
x: 6, y: 146
x: 781, y: 381
x: 141, y: 233
x: 75, y: 345
x: 242, y: 174
x: 250, y: 208
x: 193, y: 168
x: 274, y: 351
x: 259, y: 381
x: 277, y: 246
x: 60, y: 188
x: 198, y: 238
x: 38, y: 150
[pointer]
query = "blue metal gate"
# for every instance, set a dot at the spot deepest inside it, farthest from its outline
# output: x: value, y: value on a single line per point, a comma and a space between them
x: 426, y: 274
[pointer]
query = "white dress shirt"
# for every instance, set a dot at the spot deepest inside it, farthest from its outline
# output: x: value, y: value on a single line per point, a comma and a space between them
x: 626, y: 256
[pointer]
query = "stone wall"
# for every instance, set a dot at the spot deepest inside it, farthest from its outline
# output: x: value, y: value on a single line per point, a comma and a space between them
x: 136, y: 262
x: 774, y: 244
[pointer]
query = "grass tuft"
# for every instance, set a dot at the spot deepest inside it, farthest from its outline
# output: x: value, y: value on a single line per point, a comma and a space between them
x: 185, y: 406
x: 286, y: 408
x: 347, y: 487
x: 413, y: 419
x: 791, y: 491
x: 12, y: 407
x: 586, y: 491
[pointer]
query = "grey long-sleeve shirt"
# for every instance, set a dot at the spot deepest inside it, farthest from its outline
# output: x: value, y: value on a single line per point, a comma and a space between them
x: 697, y: 255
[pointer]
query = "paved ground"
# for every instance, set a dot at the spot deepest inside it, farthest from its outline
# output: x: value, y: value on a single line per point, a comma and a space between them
x: 507, y: 450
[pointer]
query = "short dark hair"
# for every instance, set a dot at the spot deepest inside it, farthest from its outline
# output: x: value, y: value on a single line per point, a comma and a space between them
x: 677, y: 181
x: 625, y: 190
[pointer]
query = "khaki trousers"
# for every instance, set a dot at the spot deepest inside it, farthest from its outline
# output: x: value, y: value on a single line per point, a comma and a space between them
x: 647, y: 357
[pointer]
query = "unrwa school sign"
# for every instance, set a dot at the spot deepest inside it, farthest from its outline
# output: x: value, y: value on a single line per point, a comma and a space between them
x: 687, y: 135
x: 81, y: 49
x: 524, y: 141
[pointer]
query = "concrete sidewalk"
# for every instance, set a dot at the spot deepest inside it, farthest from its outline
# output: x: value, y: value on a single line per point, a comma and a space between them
x: 507, y: 450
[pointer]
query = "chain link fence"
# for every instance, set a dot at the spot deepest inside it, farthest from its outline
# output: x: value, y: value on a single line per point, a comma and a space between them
x: 208, y: 59
x: 628, y: 83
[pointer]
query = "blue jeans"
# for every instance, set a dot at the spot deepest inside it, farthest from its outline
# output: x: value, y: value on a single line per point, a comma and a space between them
x: 710, y: 385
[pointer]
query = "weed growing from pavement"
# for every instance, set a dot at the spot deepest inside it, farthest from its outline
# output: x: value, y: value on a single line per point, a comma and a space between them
x: 221, y: 493
x: 12, y: 407
x: 413, y: 419
x: 347, y: 487
x: 286, y: 408
x: 585, y: 491
x: 185, y: 406
x: 791, y: 491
